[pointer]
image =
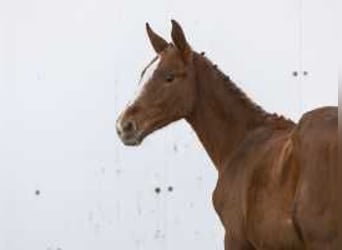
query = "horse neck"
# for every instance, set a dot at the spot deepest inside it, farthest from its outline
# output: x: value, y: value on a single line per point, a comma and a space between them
x: 222, y: 114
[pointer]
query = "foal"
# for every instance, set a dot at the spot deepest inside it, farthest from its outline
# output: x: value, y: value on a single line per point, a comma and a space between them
x: 277, y: 186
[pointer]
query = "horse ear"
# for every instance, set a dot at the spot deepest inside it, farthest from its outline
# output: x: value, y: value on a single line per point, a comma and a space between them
x: 179, y: 40
x: 158, y: 43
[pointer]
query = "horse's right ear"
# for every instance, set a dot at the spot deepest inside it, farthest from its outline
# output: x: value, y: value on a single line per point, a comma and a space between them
x: 179, y: 40
x: 158, y: 43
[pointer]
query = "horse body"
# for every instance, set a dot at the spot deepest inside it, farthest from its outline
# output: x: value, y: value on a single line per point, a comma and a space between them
x: 278, y: 181
x: 262, y: 195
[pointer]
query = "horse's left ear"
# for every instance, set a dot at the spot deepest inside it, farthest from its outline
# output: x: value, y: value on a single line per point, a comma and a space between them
x: 158, y: 43
x: 180, y: 42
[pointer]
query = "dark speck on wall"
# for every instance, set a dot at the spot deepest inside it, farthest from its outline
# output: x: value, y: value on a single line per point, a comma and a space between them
x: 103, y: 170
x: 158, y: 234
x: 37, y: 192
x: 157, y: 190
x: 118, y: 172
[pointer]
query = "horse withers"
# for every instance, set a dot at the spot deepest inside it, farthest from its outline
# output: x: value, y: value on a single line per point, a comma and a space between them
x: 278, y: 180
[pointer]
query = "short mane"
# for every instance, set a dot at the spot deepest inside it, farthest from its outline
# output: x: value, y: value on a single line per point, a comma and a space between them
x: 243, y: 96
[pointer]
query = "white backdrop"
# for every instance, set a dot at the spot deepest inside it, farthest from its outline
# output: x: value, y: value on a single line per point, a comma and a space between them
x: 68, y: 67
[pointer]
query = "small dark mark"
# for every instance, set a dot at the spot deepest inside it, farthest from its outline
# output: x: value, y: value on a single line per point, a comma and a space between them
x: 175, y: 148
x: 215, y: 66
x: 118, y: 172
x: 97, y: 227
x: 295, y: 73
x: 103, y: 170
x: 305, y: 73
x: 90, y: 216
x: 202, y: 53
x: 37, y: 192
x: 159, y: 235
x: 139, y: 210
x: 170, y: 189
x: 157, y: 190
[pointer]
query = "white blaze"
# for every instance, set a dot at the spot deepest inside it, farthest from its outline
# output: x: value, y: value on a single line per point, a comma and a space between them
x: 146, y: 76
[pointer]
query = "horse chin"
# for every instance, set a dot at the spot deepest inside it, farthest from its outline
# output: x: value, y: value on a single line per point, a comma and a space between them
x: 132, y: 142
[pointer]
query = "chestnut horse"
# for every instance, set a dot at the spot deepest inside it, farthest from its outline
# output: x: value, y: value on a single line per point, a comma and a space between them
x: 277, y: 185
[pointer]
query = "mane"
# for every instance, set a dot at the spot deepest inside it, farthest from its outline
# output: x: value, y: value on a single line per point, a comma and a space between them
x: 245, y: 100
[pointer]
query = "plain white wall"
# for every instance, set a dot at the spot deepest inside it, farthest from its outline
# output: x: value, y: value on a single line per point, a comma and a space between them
x: 66, y: 70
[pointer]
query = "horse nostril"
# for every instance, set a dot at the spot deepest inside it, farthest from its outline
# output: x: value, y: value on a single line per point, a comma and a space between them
x: 118, y: 131
x: 128, y: 127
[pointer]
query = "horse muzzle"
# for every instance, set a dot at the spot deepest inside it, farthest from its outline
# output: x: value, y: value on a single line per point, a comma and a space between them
x: 128, y: 132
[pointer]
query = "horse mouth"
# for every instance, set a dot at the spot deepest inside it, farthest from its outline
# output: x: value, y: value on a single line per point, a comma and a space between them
x: 131, y: 141
x: 136, y: 136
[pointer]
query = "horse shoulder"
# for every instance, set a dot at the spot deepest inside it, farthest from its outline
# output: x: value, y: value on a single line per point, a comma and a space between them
x: 251, y: 185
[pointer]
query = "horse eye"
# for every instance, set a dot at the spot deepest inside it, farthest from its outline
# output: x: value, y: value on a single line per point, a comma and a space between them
x: 169, y: 77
